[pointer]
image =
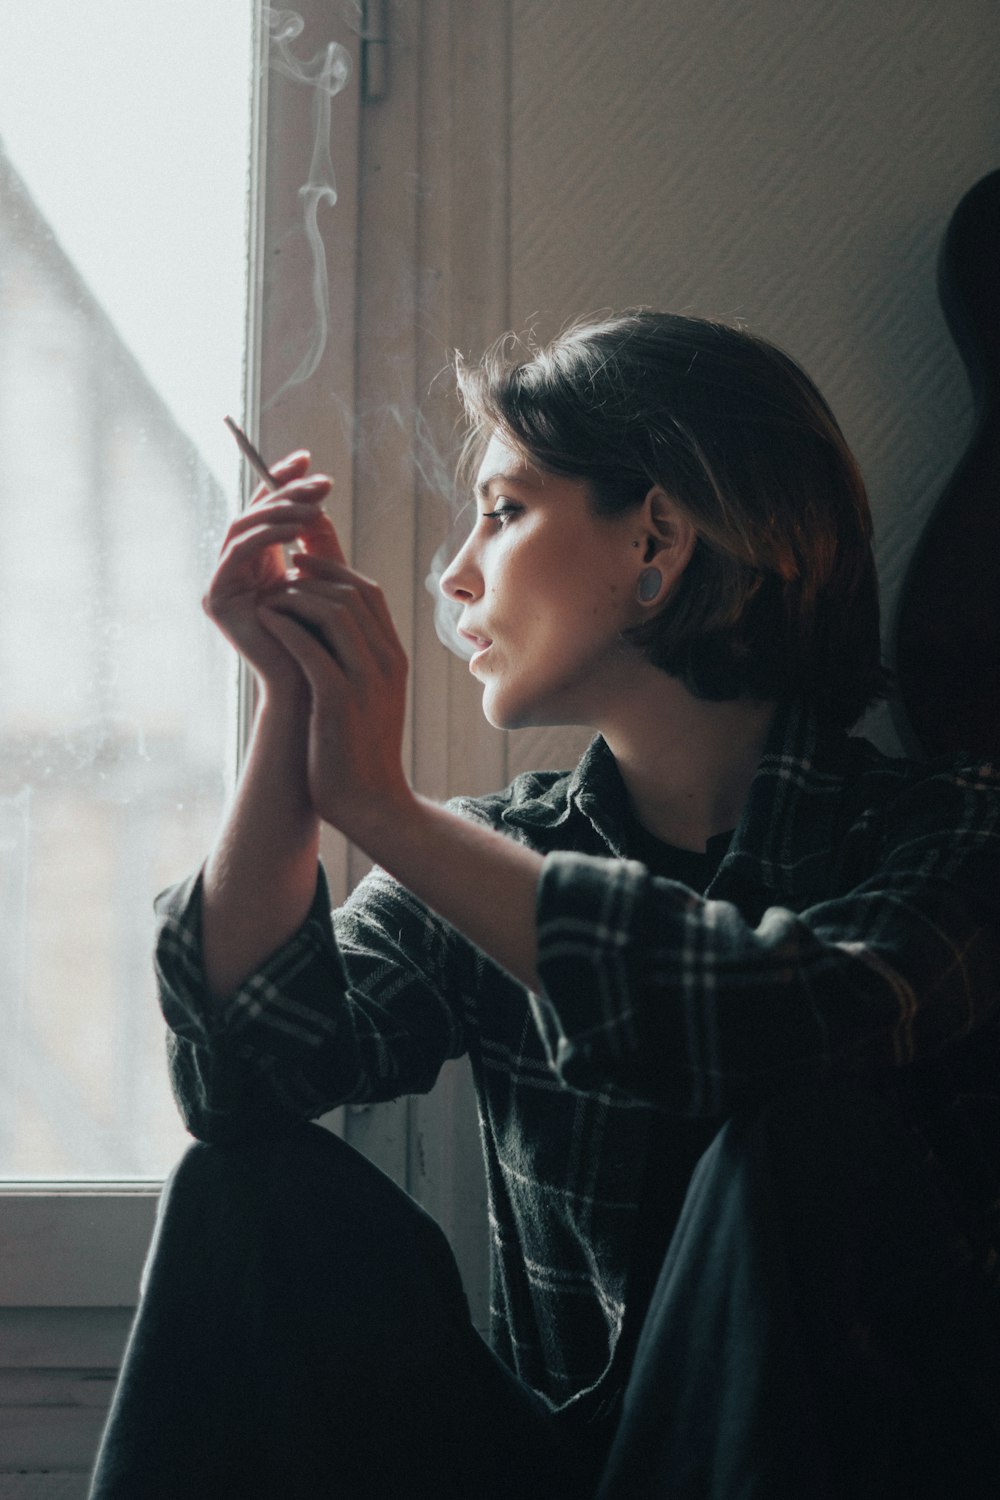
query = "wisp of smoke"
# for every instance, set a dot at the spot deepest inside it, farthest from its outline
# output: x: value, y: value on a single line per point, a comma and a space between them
x: 438, y: 477
x: 326, y: 74
x: 447, y: 613
x: 436, y: 473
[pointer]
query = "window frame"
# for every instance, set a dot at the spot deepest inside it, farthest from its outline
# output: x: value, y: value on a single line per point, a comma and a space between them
x: 78, y: 1245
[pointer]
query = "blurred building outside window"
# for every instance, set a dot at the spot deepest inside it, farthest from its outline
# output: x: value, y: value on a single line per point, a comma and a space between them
x: 122, y: 310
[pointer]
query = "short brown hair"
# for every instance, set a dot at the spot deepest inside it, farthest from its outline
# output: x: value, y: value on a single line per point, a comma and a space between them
x: 780, y: 598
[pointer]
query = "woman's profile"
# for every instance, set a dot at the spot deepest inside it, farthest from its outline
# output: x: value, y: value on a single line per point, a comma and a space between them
x: 722, y: 987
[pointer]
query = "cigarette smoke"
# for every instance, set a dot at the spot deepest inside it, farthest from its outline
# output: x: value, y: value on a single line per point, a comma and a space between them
x: 326, y: 73
x: 435, y: 471
x: 446, y: 612
x: 438, y: 476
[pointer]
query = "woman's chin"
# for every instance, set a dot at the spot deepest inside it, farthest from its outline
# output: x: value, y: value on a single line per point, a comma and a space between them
x: 510, y: 710
x: 498, y: 718
x: 500, y: 711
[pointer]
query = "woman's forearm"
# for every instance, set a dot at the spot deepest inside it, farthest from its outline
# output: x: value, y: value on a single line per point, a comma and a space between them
x: 482, y: 883
x: 260, y: 877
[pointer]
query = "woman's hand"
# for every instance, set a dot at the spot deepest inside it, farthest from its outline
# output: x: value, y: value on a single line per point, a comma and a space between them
x: 252, y: 566
x: 336, y: 625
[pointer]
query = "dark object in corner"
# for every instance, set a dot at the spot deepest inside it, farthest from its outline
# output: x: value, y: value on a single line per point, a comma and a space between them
x: 947, y: 638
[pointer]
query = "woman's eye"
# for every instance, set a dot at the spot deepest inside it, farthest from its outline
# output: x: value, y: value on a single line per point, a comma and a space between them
x: 502, y: 513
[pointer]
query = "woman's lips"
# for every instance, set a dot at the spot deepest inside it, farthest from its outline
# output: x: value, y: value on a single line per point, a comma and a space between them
x: 479, y: 643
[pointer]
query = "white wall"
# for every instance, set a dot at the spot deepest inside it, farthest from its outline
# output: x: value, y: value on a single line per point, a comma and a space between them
x: 792, y: 163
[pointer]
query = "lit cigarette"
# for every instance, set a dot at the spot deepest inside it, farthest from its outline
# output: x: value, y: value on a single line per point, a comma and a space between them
x: 250, y: 453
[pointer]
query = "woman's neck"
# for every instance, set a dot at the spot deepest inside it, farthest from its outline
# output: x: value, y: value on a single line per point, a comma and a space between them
x: 687, y: 763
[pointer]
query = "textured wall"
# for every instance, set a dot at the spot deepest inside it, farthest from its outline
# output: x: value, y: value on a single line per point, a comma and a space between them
x: 790, y: 164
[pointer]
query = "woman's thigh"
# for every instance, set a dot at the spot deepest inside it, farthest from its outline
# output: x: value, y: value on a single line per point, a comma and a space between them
x: 813, y: 1328
x: 303, y: 1331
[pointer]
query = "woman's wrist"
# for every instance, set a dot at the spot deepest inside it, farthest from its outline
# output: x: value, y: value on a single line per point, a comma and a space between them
x: 287, y: 694
x: 273, y: 794
x: 381, y: 824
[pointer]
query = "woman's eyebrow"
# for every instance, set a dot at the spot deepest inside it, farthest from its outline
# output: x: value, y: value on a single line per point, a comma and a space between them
x: 518, y: 477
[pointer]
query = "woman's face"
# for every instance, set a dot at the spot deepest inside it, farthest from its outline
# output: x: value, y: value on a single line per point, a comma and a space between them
x: 547, y: 588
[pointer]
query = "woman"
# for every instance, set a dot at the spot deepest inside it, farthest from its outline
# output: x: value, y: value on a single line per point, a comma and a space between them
x: 719, y: 986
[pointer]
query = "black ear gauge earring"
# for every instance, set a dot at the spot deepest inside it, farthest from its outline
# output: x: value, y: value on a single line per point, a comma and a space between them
x: 650, y: 583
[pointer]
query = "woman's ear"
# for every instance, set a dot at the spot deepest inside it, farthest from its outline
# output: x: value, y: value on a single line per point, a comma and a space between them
x: 665, y: 546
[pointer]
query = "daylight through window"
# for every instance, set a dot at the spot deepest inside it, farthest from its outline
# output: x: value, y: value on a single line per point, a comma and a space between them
x: 122, y: 255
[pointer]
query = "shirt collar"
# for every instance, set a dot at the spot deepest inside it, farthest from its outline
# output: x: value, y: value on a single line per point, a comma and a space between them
x: 786, y: 834
x: 593, y: 792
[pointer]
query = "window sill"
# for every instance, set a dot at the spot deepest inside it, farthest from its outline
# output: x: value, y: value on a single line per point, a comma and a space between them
x: 77, y: 1245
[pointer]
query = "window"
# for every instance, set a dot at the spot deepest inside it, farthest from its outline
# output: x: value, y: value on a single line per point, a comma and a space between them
x: 125, y: 137
x: 122, y: 314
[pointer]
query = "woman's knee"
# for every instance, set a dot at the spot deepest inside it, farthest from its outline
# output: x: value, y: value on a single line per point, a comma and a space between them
x: 307, y: 1201
x: 216, y: 1182
x: 832, y: 1132
x: 298, y: 1170
x: 837, y: 1168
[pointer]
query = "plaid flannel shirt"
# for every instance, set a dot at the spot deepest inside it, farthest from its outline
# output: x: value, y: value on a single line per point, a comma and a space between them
x: 853, y: 925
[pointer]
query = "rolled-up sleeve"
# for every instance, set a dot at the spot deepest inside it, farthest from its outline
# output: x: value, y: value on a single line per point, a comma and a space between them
x: 681, y: 1000
x: 362, y: 1004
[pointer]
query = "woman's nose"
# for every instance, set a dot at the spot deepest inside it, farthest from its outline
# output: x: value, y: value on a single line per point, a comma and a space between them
x: 461, y: 580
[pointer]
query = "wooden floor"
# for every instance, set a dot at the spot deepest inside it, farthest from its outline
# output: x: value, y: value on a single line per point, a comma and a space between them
x: 43, y: 1486
x: 52, y: 1414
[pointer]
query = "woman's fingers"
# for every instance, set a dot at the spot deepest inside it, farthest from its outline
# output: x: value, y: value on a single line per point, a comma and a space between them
x: 307, y: 643
x: 323, y: 543
x: 244, y: 547
x: 313, y: 570
x: 246, y: 567
x: 298, y: 507
x: 292, y: 466
x: 300, y: 497
x: 307, y: 513
x: 365, y: 600
x: 303, y: 487
x: 336, y: 621
x: 334, y: 626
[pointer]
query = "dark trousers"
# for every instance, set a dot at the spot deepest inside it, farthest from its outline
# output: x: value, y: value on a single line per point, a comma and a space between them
x: 821, y: 1327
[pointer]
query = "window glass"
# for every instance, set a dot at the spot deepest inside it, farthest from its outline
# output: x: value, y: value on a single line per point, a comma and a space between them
x: 124, y: 134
